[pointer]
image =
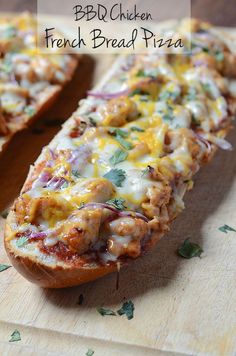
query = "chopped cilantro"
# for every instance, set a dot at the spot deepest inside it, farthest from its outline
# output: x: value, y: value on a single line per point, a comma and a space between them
x: 15, y: 336
x: 116, y: 176
x: 4, y: 267
x: 225, y: 228
x: 192, y: 93
x: 126, y: 144
x: 76, y: 173
x: 81, y: 205
x: 219, y: 56
x: 90, y: 352
x: 92, y: 121
x: 119, y: 156
x: 167, y: 95
x: 9, y: 32
x: 118, y: 132
x: 189, y: 249
x: 136, y: 128
x: 118, y: 203
x: 21, y: 241
x: 29, y: 110
x: 104, y: 311
x: 6, y: 67
x: 136, y: 91
x: 127, y: 309
x: 141, y: 73
x: 206, y: 87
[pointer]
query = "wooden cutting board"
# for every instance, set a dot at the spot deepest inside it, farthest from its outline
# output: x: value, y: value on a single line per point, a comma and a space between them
x: 181, y: 306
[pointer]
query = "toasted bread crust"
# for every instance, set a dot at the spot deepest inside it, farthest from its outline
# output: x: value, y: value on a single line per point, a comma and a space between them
x: 52, y: 276
x: 57, y: 275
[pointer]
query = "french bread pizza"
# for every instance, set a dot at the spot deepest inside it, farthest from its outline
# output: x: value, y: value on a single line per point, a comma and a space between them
x: 29, y: 81
x: 107, y: 187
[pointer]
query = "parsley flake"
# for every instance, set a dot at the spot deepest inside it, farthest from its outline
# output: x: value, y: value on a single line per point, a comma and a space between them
x: 140, y: 73
x: 125, y: 144
x: 206, y: 87
x: 76, y: 173
x: 118, y: 132
x: 189, y: 249
x: 15, y: 336
x: 29, y: 110
x: 81, y: 205
x: 136, y: 128
x: 136, y: 91
x: 118, y: 203
x: 219, y: 56
x: 92, y: 121
x: 4, y: 267
x: 192, y: 93
x: 21, y: 241
x: 226, y: 228
x: 116, y: 176
x: 104, y: 311
x: 127, y: 309
x: 90, y: 352
x: 119, y: 156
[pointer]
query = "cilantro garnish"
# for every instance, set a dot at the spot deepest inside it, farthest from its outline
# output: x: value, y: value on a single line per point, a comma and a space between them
x: 206, y: 87
x: 189, y: 249
x: 136, y: 91
x: 116, y: 176
x: 118, y: 203
x: 127, y: 145
x: 167, y: 95
x: 219, y: 56
x: 4, y: 267
x: 76, y: 173
x: 15, y: 336
x: 90, y: 352
x: 21, y: 241
x: 118, y: 132
x: 136, y: 128
x: 9, y: 32
x: 226, y: 228
x: 81, y: 205
x: 140, y: 73
x: 104, y: 311
x: 119, y: 156
x: 127, y: 309
x: 29, y: 110
x: 92, y: 121
x: 192, y: 93
x: 119, y: 136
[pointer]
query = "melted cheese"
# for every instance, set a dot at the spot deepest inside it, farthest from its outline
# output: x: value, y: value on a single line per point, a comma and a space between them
x: 174, y: 101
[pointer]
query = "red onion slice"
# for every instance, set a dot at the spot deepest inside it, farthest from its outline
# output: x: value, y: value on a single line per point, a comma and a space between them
x: 107, y: 96
x: 38, y: 235
x: 133, y: 214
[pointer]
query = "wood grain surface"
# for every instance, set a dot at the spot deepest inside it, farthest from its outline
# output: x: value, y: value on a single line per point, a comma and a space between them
x: 181, y: 306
